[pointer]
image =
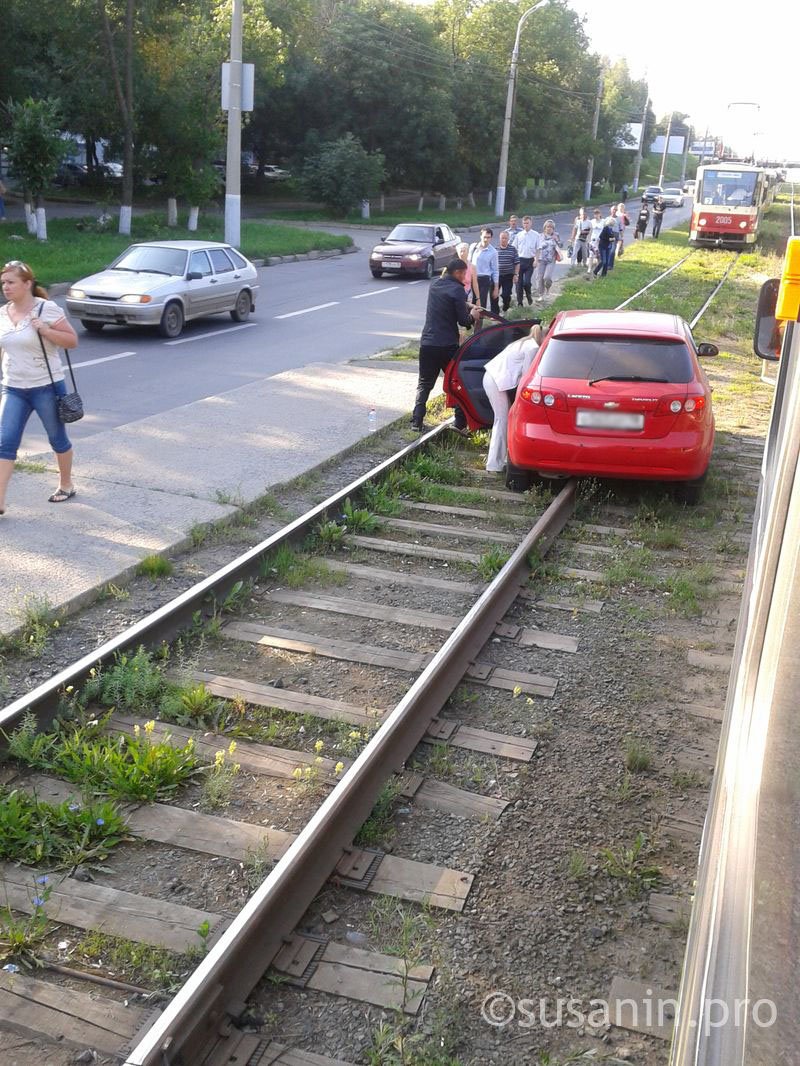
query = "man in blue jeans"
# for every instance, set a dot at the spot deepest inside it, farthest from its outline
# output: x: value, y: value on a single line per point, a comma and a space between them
x: 447, y: 310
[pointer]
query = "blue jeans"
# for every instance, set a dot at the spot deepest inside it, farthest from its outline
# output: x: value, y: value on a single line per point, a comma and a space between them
x: 17, y: 406
x: 604, y: 254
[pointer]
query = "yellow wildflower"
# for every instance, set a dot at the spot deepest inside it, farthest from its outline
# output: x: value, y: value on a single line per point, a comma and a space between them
x: 338, y: 768
x: 319, y: 746
x: 232, y: 747
x: 297, y: 773
x: 136, y: 730
x: 149, y: 727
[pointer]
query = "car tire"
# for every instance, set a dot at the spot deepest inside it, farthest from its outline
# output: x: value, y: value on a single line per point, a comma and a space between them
x: 92, y: 327
x: 517, y: 479
x: 429, y: 265
x: 171, y: 324
x: 242, y: 307
x: 690, y: 492
x: 377, y: 273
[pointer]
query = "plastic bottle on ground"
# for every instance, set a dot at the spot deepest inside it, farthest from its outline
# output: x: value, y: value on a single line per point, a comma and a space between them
x: 373, y: 420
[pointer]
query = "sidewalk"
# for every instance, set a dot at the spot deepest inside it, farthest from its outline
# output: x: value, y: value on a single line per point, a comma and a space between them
x: 142, y: 487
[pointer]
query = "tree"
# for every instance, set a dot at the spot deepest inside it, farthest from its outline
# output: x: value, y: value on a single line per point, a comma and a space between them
x: 343, y: 173
x: 35, y: 148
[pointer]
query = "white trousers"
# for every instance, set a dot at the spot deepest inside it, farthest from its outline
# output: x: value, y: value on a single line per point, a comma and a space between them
x: 543, y: 277
x: 498, y: 443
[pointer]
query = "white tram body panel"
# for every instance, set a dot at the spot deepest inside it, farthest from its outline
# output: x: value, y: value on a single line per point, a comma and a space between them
x: 729, y: 201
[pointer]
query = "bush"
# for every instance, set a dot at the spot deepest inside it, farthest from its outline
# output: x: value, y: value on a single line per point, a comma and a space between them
x: 343, y: 174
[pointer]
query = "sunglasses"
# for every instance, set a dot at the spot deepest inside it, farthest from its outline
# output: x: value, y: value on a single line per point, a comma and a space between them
x: 17, y: 263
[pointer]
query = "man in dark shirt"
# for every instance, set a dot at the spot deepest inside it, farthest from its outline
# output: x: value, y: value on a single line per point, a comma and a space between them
x: 508, y: 260
x: 447, y: 310
x: 658, y: 215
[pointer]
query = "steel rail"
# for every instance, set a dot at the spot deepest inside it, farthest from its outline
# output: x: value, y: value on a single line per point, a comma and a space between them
x: 717, y: 287
x: 200, y: 1015
x: 166, y: 621
x: 655, y: 281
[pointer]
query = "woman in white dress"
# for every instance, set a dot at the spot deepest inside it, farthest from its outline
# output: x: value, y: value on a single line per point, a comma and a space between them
x: 501, y: 375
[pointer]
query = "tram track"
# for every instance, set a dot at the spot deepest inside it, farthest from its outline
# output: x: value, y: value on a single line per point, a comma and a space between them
x: 196, y: 1026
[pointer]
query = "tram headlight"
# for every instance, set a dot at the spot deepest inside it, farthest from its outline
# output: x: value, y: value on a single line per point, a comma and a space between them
x: 743, y: 224
x: 702, y: 222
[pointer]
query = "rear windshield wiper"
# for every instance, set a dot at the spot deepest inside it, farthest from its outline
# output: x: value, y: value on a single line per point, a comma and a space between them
x: 627, y: 377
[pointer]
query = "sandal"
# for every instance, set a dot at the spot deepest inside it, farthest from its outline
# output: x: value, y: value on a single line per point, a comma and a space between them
x: 61, y: 495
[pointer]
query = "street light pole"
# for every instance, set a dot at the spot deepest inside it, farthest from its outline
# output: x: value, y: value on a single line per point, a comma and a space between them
x: 666, y: 150
x: 502, y: 170
x: 233, y: 162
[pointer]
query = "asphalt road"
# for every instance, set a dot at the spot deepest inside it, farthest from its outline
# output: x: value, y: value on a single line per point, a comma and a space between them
x: 327, y: 310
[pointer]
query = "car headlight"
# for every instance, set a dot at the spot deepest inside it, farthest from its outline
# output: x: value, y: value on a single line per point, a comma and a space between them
x: 415, y: 256
x: 135, y: 298
x: 76, y: 294
x: 376, y: 255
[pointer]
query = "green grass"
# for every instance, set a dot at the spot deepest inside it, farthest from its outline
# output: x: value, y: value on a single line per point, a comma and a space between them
x: 71, y: 253
x: 154, y: 566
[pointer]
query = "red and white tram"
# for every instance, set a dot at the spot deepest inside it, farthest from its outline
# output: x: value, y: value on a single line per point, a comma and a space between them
x: 730, y: 199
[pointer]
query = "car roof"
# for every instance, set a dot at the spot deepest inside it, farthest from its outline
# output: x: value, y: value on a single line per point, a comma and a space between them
x: 184, y: 246
x: 656, y: 324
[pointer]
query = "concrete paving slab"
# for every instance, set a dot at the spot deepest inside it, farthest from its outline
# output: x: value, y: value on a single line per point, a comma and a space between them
x: 143, y: 486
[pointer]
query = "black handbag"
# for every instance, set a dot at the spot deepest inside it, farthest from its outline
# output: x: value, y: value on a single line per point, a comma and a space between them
x: 69, y: 407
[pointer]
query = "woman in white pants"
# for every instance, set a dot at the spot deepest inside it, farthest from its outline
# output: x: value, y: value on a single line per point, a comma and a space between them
x: 501, y: 375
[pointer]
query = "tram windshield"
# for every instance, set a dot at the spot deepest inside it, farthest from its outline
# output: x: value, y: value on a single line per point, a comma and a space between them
x: 728, y: 188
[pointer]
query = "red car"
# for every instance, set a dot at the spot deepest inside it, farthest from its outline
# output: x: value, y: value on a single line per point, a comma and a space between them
x: 616, y: 394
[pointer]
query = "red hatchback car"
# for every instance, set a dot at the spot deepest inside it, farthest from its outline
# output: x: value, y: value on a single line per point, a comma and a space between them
x: 616, y: 394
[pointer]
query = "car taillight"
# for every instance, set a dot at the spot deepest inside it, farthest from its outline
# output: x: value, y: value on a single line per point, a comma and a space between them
x: 550, y: 398
x: 673, y: 405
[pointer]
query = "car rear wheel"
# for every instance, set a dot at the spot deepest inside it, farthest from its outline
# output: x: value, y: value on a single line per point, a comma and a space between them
x: 171, y: 324
x: 690, y: 492
x: 377, y: 273
x: 241, y: 309
x: 517, y: 479
x: 429, y: 269
x: 92, y: 327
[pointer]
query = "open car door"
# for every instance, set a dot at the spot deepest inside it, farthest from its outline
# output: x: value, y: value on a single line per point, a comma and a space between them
x: 463, y: 379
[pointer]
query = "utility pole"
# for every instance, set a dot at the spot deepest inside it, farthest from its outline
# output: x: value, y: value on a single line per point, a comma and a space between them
x: 688, y: 136
x: 637, y: 165
x: 587, y: 189
x: 233, y: 162
x: 502, y: 170
x: 666, y: 149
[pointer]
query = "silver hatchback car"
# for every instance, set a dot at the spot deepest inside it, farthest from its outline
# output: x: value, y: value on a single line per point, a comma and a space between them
x: 164, y: 284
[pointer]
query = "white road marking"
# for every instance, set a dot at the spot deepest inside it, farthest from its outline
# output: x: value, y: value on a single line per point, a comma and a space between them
x: 419, y: 281
x: 213, y: 333
x: 375, y: 292
x: 104, y: 359
x: 307, y: 310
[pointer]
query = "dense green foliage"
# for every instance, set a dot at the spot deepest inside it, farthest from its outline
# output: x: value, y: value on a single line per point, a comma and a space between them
x: 422, y: 86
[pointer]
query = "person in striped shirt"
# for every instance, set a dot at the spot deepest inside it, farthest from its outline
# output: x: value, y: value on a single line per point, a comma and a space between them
x: 508, y: 265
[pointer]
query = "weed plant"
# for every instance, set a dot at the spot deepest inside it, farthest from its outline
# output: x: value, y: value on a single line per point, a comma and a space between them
x: 220, y: 780
x: 632, y: 866
x: 638, y: 757
x: 20, y: 937
x: 329, y: 536
x: 359, y: 519
x: 135, y: 682
x: 491, y: 563
x: 141, y: 964
x: 35, y: 617
x: 154, y: 566
x: 125, y: 767
x: 294, y: 569
x: 379, y: 827
x: 67, y: 834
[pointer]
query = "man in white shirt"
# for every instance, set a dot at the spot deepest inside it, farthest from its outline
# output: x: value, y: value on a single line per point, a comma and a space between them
x: 527, y: 244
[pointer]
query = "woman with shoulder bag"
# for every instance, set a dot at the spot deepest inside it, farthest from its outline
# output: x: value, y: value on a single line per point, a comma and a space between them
x: 32, y: 329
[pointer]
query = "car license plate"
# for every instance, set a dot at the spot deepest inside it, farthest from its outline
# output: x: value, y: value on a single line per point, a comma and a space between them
x: 387, y: 264
x: 609, y: 420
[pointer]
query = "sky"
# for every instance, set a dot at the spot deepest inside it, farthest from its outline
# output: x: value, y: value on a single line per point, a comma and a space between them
x: 708, y: 55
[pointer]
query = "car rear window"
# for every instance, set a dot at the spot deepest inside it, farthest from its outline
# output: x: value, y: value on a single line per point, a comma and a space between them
x: 220, y: 261
x: 587, y: 358
x: 238, y: 260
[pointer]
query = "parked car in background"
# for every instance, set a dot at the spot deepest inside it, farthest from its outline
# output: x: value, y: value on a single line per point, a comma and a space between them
x: 275, y: 173
x: 164, y: 284
x: 414, y: 249
x: 672, y: 197
x: 616, y: 394
x: 651, y: 193
x: 70, y: 174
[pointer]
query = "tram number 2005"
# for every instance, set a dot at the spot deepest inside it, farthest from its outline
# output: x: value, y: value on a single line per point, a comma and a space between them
x: 723, y: 220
